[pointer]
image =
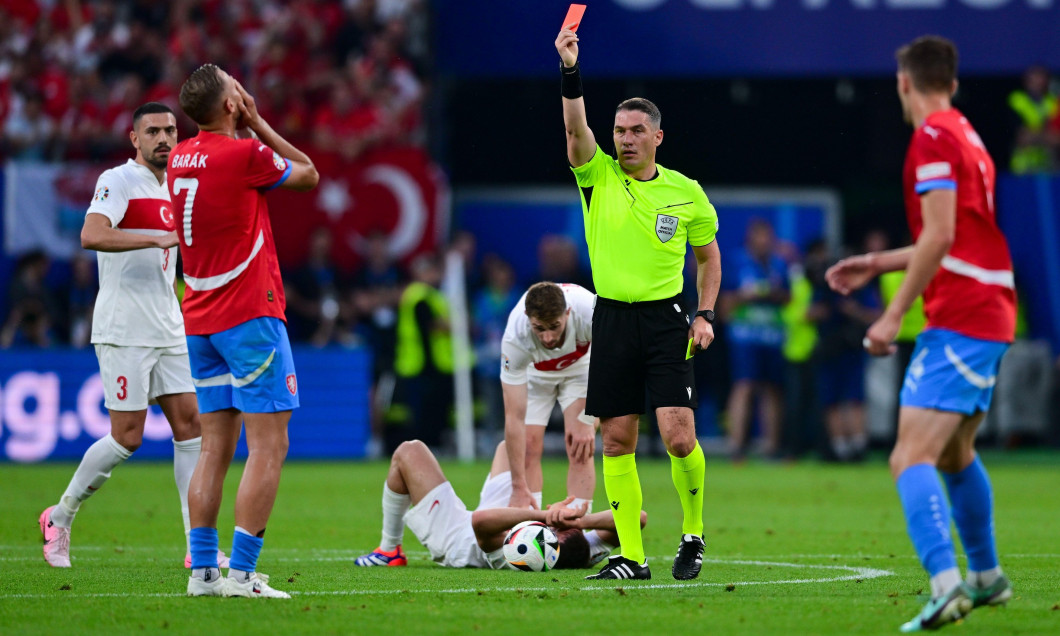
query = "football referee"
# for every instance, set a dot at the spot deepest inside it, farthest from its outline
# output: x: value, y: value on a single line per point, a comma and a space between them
x: 638, y: 217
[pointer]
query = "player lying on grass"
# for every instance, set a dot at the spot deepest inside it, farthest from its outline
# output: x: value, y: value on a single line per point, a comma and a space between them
x: 417, y: 494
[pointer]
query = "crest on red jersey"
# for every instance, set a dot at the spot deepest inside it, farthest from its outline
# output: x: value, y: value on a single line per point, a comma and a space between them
x: 292, y: 384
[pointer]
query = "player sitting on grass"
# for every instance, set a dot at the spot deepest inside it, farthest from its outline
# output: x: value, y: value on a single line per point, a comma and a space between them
x: 459, y: 538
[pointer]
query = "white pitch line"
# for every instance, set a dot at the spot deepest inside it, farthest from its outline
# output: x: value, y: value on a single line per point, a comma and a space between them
x: 853, y: 573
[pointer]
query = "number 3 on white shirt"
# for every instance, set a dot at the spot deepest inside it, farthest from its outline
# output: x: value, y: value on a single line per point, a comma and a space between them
x: 192, y: 186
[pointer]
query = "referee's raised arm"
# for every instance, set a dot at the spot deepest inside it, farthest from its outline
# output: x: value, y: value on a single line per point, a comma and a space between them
x: 581, y: 144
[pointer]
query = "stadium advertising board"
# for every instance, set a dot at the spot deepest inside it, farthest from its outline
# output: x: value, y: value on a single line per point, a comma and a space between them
x: 744, y: 37
x: 51, y: 407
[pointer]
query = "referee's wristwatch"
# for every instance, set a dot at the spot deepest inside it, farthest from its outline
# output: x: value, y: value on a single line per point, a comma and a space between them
x: 706, y: 314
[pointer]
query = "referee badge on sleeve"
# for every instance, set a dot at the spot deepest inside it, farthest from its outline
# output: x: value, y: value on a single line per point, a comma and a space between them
x: 665, y: 226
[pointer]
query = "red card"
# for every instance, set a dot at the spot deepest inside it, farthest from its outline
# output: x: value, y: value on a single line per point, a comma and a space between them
x: 574, y: 17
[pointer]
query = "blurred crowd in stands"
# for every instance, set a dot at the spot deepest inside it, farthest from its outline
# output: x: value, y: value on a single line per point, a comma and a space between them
x: 344, y: 76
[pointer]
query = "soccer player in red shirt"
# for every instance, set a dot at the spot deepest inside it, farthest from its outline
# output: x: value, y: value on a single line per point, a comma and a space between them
x: 234, y: 317
x: 960, y: 263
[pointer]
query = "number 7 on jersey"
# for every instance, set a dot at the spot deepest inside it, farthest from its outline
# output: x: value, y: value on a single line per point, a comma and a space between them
x: 192, y: 186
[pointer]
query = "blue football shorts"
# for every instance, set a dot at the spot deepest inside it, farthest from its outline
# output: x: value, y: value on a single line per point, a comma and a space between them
x: 951, y: 372
x: 248, y: 367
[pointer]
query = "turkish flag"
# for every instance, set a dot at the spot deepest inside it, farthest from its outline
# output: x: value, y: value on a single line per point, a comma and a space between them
x: 397, y: 191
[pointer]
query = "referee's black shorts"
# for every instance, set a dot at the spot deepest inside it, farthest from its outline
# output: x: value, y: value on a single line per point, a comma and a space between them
x: 634, y: 344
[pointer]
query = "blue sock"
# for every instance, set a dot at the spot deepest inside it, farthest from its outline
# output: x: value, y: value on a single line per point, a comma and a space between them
x: 245, y: 550
x: 927, y: 516
x: 203, y: 547
x: 973, y: 512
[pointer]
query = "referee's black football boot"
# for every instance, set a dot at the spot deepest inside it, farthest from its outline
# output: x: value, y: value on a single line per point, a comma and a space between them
x: 619, y: 567
x: 689, y: 558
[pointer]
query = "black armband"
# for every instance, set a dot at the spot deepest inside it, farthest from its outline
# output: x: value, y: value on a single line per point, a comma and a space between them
x: 571, y: 87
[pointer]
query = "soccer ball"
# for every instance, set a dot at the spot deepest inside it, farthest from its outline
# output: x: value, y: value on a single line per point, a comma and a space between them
x: 532, y: 547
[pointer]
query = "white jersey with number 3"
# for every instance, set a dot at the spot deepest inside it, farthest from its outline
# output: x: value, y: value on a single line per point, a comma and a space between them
x: 136, y: 305
x: 522, y: 354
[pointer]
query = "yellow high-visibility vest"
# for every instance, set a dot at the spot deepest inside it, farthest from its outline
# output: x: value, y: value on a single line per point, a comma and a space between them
x: 410, y: 356
x: 1035, y: 115
x: 800, y: 335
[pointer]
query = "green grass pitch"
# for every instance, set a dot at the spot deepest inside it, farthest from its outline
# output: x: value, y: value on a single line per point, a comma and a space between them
x: 803, y: 548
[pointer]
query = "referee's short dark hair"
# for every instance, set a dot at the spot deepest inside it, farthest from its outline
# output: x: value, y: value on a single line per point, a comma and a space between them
x: 201, y: 93
x: 931, y: 62
x: 545, y: 301
x: 150, y: 108
x: 645, y: 106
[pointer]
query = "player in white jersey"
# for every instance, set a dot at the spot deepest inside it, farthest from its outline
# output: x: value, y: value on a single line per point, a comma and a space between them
x: 544, y: 360
x: 417, y: 494
x: 137, y: 326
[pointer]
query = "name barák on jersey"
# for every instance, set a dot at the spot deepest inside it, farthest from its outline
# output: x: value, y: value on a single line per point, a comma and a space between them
x: 197, y: 160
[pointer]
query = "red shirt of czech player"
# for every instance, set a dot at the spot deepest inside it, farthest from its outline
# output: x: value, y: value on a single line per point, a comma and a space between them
x: 232, y: 274
x: 973, y: 292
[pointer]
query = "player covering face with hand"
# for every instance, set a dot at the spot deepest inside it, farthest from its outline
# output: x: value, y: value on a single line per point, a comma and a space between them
x: 240, y: 355
x: 417, y: 494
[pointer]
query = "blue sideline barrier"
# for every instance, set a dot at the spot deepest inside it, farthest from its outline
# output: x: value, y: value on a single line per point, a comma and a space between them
x: 51, y: 407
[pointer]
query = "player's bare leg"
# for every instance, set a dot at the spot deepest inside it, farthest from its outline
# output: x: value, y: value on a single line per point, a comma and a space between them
x: 127, y: 428
x: 535, y: 448
x: 500, y: 460
x: 923, y: 434
x: 581, y: 472
x: 739, y: 412
x: 182, y: 413
x: 220, y: 434
x: 414, y: 473
x: 677, y: 427
x: 127, y: 432
x: 971, y: 497
x: 266, y: 451
x: 267, y: 445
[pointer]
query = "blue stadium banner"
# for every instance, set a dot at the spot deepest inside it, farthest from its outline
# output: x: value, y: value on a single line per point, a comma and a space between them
x: 52, y: 406
x: 653, y: 38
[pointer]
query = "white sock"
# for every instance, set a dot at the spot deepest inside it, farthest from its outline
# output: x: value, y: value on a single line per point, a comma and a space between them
x: 394, y: 508
x: 983, y: 578
x: 944, y: 581
x: 578, y: 501
x: 595, y: 541
x: 185, y: 456
x: 201, y: 573
x: 537, y: 499
x: 94, y: 470
x: 239, y: 575
x: 597, y: 546
x: 859, y: 442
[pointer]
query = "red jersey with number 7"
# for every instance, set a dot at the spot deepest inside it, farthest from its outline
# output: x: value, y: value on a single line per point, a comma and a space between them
x: 218, y: 187
x: 973, y: 292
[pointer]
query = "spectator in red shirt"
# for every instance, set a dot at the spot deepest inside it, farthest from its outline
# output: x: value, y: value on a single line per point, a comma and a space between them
x: 348, y: 125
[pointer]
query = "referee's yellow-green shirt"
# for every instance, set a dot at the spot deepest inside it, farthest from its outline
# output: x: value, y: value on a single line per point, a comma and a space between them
x: 637, y: 230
